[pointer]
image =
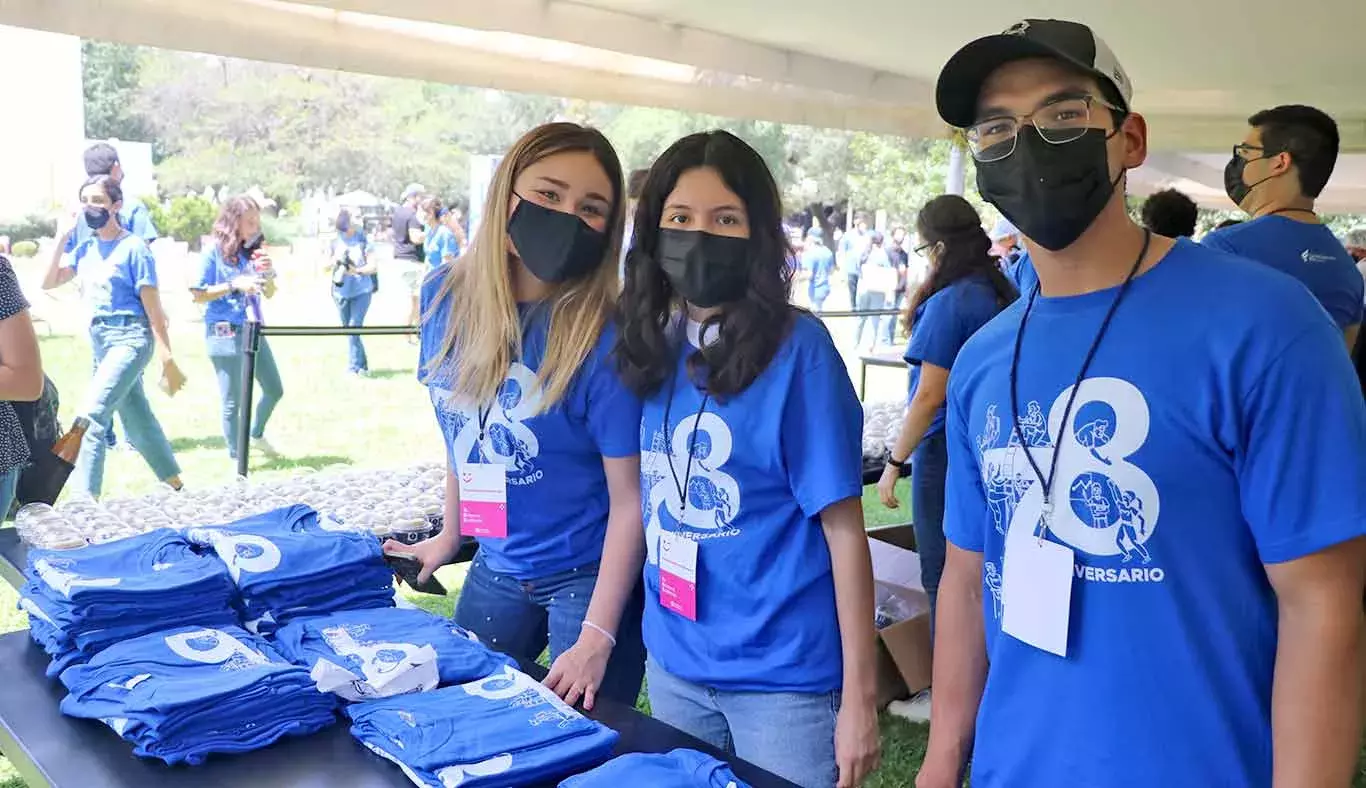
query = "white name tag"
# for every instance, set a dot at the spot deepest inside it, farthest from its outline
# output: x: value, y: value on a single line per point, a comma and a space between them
x: 483, y: 501
x: 1036, y: 592
x: 678, y: 574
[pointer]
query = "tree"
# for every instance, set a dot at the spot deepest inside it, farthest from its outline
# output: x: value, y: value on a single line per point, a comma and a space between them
x: 110, y: 76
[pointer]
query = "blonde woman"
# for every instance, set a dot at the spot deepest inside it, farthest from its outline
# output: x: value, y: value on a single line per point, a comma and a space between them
x: 515, y: 349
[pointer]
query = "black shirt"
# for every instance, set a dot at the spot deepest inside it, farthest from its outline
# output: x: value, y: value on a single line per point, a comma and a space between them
x: 404, y: 220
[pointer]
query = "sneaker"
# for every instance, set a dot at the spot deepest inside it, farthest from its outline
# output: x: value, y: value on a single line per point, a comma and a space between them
x: 263, y: 446
x: 916, y: 709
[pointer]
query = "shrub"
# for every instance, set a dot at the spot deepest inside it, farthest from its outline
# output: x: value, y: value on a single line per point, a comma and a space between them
x: 281, y: 231
x: 25, y: 249
x: 186, y: 219
x: 29, y: 229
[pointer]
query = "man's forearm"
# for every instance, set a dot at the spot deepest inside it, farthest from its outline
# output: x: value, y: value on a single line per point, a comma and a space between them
x: 960, y: 659
x: 1316, y: 706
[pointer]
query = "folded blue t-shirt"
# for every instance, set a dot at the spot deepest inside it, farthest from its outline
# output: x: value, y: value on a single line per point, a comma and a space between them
x: 503, y: 730
x: 677, y: 769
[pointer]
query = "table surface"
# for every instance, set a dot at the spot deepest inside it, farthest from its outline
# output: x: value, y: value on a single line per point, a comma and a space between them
x: 49, y: 749
x: 887, y: 358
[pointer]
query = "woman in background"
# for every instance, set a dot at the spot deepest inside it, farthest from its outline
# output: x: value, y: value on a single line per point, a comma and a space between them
x: 516, y: 354
x: 965, y: 289
x: 353, y: 285
x: 118, y: 277
x: 233, y: 276
x: 441, y: 247
x: 759, y: 588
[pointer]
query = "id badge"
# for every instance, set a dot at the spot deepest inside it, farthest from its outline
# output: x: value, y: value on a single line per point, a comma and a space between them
x: 678, y: 574
x: 1036, y: 592
x: 484, y: 501
x: 224, y: 330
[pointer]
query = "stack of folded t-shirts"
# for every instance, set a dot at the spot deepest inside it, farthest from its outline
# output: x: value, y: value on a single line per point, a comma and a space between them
x: 82, y: 601
x: 186, y: 693
x: 676, y: 769
x: 379, y: 653
x: 502, y: 730
x: 291, y: 563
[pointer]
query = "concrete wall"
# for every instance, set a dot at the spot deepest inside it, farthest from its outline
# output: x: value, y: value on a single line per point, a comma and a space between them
x: 43, y: 122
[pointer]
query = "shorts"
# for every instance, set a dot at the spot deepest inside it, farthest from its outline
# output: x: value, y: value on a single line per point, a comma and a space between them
x: 413, y: 274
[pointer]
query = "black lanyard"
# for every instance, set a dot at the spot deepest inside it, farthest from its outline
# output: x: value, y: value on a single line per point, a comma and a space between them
x: 1047, y: 481
x: 692, y: 441
x: 484, y: 414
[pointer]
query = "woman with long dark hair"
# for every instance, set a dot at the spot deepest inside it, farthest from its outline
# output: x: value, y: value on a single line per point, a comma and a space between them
x: 759, y: 593
x: 965, y: 289
x: 233, y: 276
x: 516, y: 354
x: 128, y: 326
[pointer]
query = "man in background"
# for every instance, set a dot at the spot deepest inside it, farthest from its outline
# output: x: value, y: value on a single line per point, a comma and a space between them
x: 1170, y: 213
x: 1276, y: 173
x: 635, y: 184
x: 819, y: 262
x: 408, y: 238
x: 852, y: 249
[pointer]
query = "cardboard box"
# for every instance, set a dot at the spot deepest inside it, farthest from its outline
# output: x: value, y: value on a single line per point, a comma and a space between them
x: 904, y: 654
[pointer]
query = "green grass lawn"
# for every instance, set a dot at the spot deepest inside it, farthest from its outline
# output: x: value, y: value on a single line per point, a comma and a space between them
x: 329, y: 418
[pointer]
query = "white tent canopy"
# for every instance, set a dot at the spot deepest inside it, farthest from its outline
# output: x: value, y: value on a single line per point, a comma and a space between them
x: 1199, y: 69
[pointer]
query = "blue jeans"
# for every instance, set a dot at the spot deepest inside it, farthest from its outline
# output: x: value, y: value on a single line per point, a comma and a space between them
x: 791, y: 734
x: 870, y: 302
x: 521, y: 617
x: 352, y: 311
x: 123, y: 347
x: 9, y: 480
x: 889, y: 323
x: 227, y: 356
x: 929, y: 470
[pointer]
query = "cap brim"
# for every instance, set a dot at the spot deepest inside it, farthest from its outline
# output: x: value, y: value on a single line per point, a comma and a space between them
x: 960, y: 82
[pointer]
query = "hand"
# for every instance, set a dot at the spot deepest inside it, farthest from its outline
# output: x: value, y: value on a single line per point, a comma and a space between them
x: 857, y: 743
x: 247, y: 284
x: 432, y: 553
x: 172, y: 379
x: 936, y: 772
x: 886, y: 486
x: 578, y: 672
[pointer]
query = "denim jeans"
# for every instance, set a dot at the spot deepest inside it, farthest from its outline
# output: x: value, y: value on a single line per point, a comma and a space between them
x: 352, y: 311
x: 122, y: 347
x: 889, y: 323
x: 929, y: 470
x: 870, y: 302
x: 791, y: 734
x: 227, y: 357
x: 9, y: 480
x: 521, y: 617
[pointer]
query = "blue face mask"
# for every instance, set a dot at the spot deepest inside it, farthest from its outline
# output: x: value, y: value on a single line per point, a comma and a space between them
x: 95, y: 217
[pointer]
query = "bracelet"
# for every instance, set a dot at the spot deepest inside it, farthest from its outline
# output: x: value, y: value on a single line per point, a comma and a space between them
x: 895, y: 463
x: 601, y: 631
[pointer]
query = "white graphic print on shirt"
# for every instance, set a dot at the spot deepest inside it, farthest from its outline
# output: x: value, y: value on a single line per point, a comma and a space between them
x: 713, y: 497
x: 506, y: 438
x: 1105, y: 507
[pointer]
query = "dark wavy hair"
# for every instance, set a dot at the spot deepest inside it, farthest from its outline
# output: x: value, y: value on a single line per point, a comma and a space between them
x: 107, y: 184
x: 951, y: 221
x: 225, y: 226
x: 751, y: 329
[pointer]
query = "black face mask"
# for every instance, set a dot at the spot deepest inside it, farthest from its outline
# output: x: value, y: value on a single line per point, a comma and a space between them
x: 1052, y: 193
x: 555, y: 246
x: 706, y: 270
x: 1234, y: 186
x: 96, y: 218
x: 253, y: 243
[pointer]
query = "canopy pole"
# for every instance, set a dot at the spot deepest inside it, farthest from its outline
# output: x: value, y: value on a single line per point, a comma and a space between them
x: 958, y: 169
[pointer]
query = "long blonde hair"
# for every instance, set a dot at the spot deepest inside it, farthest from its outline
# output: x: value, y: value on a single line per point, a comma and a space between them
x: 484, y: 333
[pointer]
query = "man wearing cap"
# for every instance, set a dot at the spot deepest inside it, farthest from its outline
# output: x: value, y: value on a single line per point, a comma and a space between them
x: 409, y: 237
x: 1156, y: 522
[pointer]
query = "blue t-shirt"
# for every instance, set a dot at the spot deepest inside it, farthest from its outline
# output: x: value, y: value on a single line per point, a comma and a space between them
x: 1211, y: 436
x: 765, y: 464
x: 214, y: 270
x: 112, y: 275
x: 942, y: 324
x: 1308, y: 252
x: 133, y: 217
x: 556, y: 484
x: 440, y: 245
x: 675, y: 769
x: 1022, y: 274
x: 358, y: 247
x: 502, y: 730
x: 820, y: 261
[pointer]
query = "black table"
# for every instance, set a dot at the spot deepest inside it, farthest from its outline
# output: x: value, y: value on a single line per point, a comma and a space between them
x: 887, y: 358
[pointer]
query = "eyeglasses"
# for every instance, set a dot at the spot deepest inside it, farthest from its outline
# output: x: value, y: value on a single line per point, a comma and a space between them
x: 1242, y: 149
x: 923, y: 248
x: 1057, y: 122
